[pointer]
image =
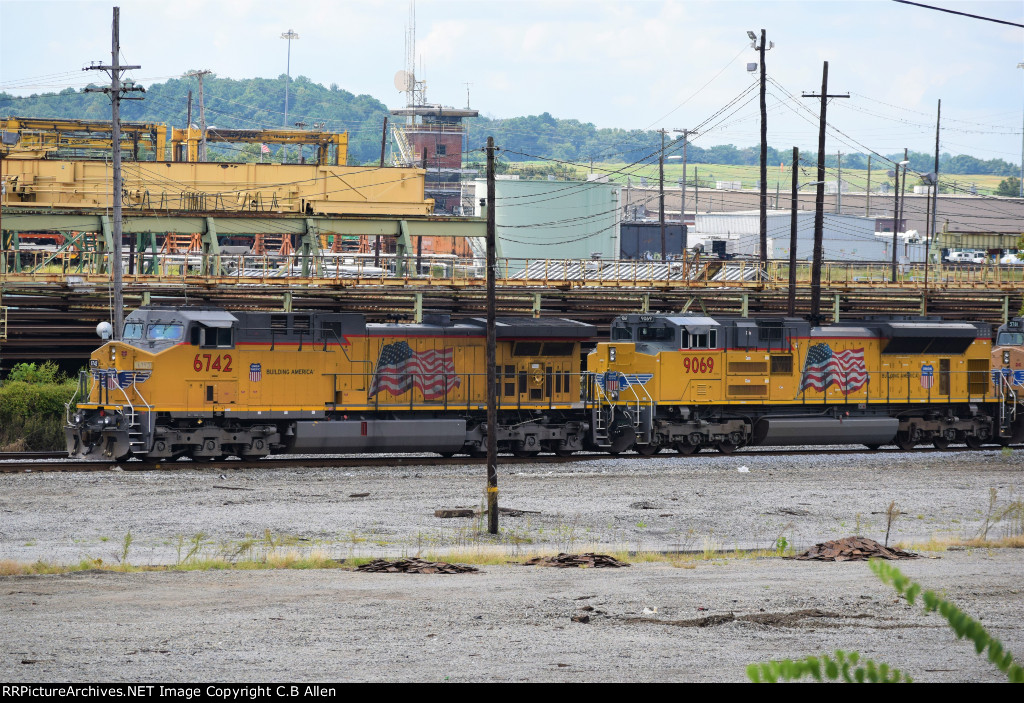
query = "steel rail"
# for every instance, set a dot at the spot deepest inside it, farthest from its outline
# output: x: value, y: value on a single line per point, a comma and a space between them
x: 21, y: 465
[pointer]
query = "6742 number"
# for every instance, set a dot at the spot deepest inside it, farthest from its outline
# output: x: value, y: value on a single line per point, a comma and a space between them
x: 209, y: 362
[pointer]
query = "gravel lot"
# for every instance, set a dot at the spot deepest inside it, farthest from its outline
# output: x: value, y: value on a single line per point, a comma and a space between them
x: 509, y: 623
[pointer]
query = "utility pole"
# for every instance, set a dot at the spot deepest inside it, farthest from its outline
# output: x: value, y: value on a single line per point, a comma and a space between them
x: 682, y: 191
x: 764, y: 157
x: 383, y: 140
x: 696, y: 193
x: 791, y: 303
x: 661, y: 195
x: 116, y: 93
x: 867, y: 192
x: 935, y: 196
x: 896, y: 210
x: 1020, y: 65
x: 819, y: 198
x: 765, y: 45
x: 202, y: 112
x: 839, y: 183
x: 492, y: 378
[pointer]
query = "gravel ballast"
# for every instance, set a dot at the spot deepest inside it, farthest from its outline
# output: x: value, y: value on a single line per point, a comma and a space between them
x: 508, y: 622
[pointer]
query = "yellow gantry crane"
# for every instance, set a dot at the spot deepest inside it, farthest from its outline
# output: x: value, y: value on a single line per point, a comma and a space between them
x: 47, y: 138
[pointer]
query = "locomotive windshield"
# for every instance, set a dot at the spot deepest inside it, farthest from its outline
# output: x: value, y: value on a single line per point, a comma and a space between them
x: 654, y: 334
x: 1010, y: 339
x: 133, y: 330
x: 159, y: 331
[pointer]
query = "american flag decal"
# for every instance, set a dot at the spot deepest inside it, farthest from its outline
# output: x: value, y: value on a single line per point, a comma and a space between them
x: 824, y: 367
x: 400, y: 369
x: 255, y: 372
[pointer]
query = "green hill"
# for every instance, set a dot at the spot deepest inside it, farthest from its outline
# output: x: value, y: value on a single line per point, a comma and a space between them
x: 256, y: 103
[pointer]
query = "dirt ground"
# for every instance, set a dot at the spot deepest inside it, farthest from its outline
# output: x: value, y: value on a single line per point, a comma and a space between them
x: 648, y: 622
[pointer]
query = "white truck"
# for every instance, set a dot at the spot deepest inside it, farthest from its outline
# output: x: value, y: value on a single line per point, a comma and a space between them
x: 966, y: 257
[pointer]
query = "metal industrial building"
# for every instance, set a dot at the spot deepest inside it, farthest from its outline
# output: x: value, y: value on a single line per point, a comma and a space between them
x: 844, y: 237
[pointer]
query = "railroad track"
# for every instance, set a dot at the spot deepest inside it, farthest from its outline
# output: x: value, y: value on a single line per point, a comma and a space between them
x: 33, y: 462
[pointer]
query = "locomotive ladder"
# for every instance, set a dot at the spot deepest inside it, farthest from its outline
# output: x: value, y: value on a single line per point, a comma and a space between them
x: 641, y: 403
x: 599, y: 422
x: 635, y: 407
x: 1008, y: 404
x: 137, y: 437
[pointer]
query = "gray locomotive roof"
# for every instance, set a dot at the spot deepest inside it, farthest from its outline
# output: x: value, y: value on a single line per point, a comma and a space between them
x: 928, y: 329
x: 556, y: 327
x: 852, y: 330
x: 399, y: 329
x: 693, y: 321
x: 208, y: 316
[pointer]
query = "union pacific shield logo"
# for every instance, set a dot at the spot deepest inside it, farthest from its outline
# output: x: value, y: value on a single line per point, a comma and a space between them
x: 927, y: 376
x: 612, y: 381
x: 255, y: 372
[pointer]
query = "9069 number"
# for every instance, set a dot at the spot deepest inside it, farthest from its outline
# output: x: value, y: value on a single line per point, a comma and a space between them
x: 209, y: 362
x: 696, y: 364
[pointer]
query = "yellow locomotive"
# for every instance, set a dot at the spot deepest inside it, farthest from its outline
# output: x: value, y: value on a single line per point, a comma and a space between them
x: 687, y: 382
x: 207, y: 384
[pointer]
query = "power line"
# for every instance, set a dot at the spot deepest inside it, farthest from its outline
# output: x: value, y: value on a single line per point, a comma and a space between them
x: 957, y: 12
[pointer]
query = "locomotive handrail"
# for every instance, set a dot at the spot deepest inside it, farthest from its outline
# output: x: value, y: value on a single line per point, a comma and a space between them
x: 78, y: 388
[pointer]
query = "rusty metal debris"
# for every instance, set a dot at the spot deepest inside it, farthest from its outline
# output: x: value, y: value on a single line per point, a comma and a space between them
x: 852, y: 549
x: 414, y: 565
x: 596, y: 561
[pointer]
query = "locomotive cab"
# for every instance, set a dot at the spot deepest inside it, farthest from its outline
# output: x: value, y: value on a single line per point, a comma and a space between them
x: 1008, y: 370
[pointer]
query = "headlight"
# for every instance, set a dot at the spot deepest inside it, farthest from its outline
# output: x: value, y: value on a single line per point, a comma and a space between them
x: 108, y: 420
x: 77, y: 418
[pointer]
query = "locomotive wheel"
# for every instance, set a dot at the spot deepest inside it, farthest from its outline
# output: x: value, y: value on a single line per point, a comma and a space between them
x: 905, y: 443
x: 973, y: 441
x: 623, y: 441
x: 525, y: 453
x: 940, y: 443
x: 447, y: 455
x: 726, y: 447
x: 873, y: 447
x: 564, y: 452
x: 687, y: 449
x: 647, y: 449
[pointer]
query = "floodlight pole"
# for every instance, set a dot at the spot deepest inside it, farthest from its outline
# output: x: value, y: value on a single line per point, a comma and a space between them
x: 289, y: 35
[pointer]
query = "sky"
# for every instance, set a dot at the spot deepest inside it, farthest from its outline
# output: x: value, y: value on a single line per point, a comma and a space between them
x: 634, y: 64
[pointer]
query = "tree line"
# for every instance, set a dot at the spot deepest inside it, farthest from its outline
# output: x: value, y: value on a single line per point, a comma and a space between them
x: 259, y: 103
